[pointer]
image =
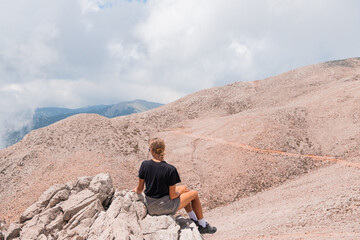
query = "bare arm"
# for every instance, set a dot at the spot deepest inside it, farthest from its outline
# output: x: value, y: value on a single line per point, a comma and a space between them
x: 173, y: 193
x: 176, y: 191
x: 140, y: 186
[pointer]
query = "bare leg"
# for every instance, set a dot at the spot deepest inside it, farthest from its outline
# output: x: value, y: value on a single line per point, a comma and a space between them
x: 188, y: 207
x: 196, y: 205
x: 183, y: 189
x: 192, y: 198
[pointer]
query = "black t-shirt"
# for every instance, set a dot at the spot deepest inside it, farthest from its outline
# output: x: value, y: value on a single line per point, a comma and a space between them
x: 158, y: 177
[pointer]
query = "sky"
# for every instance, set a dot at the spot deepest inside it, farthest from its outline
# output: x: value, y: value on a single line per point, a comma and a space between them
x: 76, y: 53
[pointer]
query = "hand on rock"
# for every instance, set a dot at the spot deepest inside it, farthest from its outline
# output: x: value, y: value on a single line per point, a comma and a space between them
x: 135, y: 190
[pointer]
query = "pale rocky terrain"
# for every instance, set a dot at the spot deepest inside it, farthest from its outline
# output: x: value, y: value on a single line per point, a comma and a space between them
x: 272, y: 159
x: 90, y: 208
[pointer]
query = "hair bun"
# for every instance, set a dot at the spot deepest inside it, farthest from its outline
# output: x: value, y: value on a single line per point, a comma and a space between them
x: 157, y: 145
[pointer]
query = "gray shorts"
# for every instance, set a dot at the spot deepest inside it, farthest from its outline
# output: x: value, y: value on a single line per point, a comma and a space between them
x: 162, y: 206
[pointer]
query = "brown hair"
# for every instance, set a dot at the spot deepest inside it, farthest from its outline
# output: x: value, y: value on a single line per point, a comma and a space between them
x: 157, y: 145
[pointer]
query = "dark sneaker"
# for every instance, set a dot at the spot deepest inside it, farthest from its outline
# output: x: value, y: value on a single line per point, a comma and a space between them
x: 195, y: 221
x: 207, y: 229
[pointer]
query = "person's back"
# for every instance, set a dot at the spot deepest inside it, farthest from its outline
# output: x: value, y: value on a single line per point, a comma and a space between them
x: 162, y: 196
x: 158, y: 177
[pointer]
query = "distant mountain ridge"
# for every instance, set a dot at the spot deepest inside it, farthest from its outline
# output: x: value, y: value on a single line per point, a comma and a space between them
x: 48, y: 115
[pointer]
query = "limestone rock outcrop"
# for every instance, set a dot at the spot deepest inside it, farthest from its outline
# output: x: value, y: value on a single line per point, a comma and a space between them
x: 92, y: 209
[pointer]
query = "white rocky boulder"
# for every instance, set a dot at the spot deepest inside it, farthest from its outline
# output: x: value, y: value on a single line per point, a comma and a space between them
x: 91, y: 209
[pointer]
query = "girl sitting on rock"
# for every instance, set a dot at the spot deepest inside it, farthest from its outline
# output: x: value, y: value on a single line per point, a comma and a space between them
x: 162, y: 196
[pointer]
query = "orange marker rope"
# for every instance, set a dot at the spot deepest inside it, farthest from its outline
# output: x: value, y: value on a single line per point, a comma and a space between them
x: 272, y: 152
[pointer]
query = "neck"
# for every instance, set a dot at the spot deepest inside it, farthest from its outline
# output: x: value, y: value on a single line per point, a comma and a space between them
x: 156, y: 160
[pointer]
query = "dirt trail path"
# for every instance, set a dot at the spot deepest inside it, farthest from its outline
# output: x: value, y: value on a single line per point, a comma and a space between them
x: 270, y: 151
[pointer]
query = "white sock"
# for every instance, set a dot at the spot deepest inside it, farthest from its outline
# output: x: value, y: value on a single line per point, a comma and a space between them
x: 192, y: 215
x: 202, y: 223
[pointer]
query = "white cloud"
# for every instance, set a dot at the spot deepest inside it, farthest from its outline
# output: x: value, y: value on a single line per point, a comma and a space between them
x: 280, y: 7
x: 90, y: 5
x: 244, y: 54
x: 116, y: 49
x: 174, y: 29
x: 76, y: 53
x: 131, y: 52
x: 27, y: 57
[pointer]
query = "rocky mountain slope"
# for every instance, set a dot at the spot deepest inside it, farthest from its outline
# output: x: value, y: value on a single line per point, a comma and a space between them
x: 324, y: 204
x: 230, y: 143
